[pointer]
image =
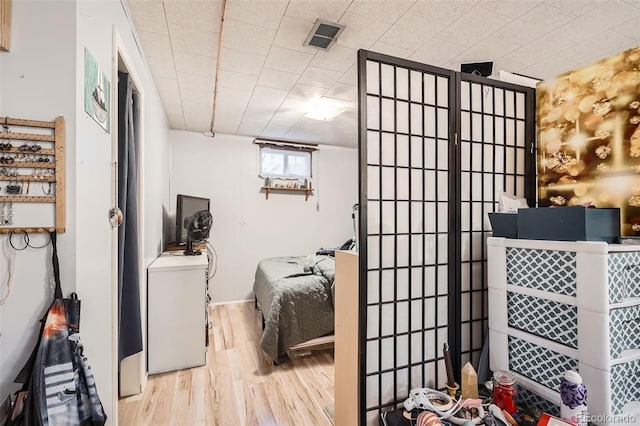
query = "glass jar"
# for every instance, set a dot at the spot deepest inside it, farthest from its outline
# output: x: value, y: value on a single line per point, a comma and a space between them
x: 505, y: 391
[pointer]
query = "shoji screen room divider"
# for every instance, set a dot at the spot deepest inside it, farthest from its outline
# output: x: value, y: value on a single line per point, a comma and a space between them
x: 435, y: 148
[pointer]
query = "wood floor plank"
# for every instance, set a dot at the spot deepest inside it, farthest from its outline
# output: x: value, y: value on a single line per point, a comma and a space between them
x: 239, y: 385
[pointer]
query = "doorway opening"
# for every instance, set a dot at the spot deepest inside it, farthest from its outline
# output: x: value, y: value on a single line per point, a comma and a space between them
x: 128, y: 273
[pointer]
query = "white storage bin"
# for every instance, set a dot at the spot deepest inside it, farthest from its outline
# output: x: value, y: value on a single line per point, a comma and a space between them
x: 555, y: 306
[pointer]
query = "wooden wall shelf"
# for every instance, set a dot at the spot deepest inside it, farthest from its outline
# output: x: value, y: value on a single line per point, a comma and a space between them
x: 306, y: 191
x: 53, y: 139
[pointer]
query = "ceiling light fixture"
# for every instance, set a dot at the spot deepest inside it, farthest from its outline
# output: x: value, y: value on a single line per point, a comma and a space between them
x: 323, y: 34
x: 325, y: 109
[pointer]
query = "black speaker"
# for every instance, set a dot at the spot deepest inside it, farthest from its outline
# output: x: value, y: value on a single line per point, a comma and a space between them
x: 478, y: 68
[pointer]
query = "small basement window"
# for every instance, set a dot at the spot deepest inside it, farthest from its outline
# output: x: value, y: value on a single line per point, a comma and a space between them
x: 284, y: 163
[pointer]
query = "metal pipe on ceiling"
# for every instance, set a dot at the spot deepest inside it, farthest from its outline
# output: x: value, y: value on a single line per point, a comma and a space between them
x: 215, y: 84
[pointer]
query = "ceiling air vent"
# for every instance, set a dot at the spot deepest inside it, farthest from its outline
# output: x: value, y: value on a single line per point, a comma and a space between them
x: 323, y: 34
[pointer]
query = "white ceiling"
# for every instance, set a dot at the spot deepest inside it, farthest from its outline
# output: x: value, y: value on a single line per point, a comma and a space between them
x: 267, y: 80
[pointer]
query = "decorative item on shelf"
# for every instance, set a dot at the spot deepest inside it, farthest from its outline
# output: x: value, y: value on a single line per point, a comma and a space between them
x: 548, y: 420
x: 573, y: 394
x: 469, y: 382
x: 452, y: 386
x: 505, y: 391
x: 267, y: 182
x: 427, y: 418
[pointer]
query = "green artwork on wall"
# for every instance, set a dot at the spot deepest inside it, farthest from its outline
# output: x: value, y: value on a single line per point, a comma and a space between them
x: 96, y: 92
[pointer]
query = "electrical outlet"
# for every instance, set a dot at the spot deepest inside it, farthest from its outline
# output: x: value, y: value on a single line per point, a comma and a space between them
x: 5, y: 408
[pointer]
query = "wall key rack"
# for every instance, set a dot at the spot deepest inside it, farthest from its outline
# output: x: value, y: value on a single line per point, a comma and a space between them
x: 32, y: 151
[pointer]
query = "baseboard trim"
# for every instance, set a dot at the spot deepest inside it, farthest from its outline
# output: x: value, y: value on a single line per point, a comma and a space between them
x: 231, y: 302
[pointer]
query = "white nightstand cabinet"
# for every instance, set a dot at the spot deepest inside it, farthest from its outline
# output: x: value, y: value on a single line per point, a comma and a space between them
x: 177, y: 312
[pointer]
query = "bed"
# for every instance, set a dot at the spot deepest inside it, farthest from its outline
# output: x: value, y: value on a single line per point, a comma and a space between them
x: 295, y: 294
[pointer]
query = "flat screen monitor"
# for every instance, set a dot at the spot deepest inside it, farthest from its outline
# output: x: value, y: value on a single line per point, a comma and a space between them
x: 186, y: 206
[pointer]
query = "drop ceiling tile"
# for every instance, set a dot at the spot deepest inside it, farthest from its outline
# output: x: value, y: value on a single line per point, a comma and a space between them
x: 169, y: 93
x: 474, y: 25
x: 230, y: 107
x: 319, y: 77
x: 195, y: 64
x: 155, y: 44
x: 267, y: 99
x: 549, y: 68
x: 342, y: 91
x: 201, y: 95
x: 247, y: 37
x: 510, y: 8
x: 310, y: 10
x: 253, y: 125
x: 360, y: 32
x: 306, y: 93
x: 148, y: 16
x: 236, y: 80
x: 601, y: 19
x: 630, y: 28
x: 488, y: 49
x: 193, y: 40
x: 287, y: 60
x: 382, y: 11
x: 274, y: 130
x: 422, y: 27
x: 350, y: 76
x: 306, y: 135
x: 194, y: 81
x: 162, y: 67
x: 205, y: 15
x: 292, y: 33
x: 447, y: 11
x: 438, y: 53
x: 575, y: 7
x: 401, y: 37
x: 290, y: 112
x: 632, y: 3
x: 310, y: 123
x: 233, y: 60
x: 337, y: 58
x: 168, y: 90
x: 277, y: 79
x: 597, y: 48
x: 539, y: 21
x: 198, y: 115
x: 391, y: 49
x: 540, y: 49
x: 176, y: 121
x: 262, y: 13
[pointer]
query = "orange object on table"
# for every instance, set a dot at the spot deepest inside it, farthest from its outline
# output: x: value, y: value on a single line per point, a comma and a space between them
x: 547, y: 420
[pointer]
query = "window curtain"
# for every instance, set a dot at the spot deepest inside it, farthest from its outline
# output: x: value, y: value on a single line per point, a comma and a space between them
x: 129, y: 315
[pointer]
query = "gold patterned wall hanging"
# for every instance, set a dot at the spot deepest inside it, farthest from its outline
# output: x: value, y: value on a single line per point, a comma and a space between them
x: 589, y: 137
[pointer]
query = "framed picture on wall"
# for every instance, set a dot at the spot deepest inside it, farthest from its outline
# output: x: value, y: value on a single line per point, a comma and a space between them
x: 5, y: 25
x: 96, y: 92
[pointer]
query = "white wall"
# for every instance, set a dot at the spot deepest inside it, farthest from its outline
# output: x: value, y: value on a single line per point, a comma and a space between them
x: 246, y: 226
x: 42, y: 77
x: 95, y: 23
x: 37, y: 82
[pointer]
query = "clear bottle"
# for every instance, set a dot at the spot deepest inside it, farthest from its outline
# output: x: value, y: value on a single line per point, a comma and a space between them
x: 505, y: 391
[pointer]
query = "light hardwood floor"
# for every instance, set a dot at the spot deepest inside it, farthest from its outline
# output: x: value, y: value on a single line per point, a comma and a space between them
x: 239, y: 385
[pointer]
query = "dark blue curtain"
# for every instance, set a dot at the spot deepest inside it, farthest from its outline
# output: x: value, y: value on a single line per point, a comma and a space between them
x: 129, y: 321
